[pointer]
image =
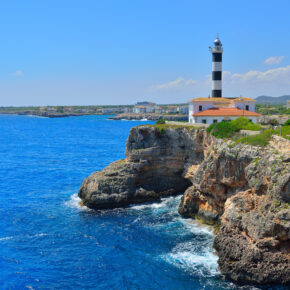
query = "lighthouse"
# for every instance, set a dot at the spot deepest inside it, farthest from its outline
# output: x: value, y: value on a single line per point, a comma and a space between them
x: 217, y: 52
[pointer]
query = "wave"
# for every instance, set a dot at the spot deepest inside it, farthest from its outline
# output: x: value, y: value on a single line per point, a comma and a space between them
x: 25, y: 236
x: 75, y: 203
x: 195, y: 257
x: 163, y: 202
x: 6, y: 238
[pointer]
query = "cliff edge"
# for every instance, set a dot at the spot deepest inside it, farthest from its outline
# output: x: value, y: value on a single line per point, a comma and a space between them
x: 154, y: 165
x: 244, y: 189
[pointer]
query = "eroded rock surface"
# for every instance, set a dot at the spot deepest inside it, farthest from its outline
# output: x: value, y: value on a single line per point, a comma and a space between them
x: 154, y: 167
x: 246, y: 190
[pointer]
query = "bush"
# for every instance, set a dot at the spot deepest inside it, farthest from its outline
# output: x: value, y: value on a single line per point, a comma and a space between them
x: 287, y: 123
x: 223, y: 130
x: 273, y: 122
x: 210, y: 128
x: 160, y: 121
x: 226, y: 129
x: 245, y: 124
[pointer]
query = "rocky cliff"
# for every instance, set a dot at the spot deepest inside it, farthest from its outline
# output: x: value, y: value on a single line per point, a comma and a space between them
x: 154, y: 166
x: 243, y: 189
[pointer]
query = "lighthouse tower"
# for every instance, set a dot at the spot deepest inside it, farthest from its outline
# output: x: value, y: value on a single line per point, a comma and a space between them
x: 217, y: 52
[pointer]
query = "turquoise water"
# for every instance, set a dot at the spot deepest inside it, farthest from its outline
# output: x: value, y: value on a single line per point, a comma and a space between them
x: 47, y: 241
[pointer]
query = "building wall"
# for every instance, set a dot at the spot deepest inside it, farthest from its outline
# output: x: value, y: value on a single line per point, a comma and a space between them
x: 209, y: 120
x: 190, y: 112
x: 205, y: 106
x: 242, y: 105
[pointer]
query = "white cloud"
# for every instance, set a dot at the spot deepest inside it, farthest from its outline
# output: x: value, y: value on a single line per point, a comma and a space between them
x: 279, y: 75
x: 178, y: 83
x: 18, y: 73
x: 273, y: 82
x: 273, y: 60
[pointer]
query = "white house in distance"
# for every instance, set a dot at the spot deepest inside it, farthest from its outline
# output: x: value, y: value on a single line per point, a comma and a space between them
x: 212, y: 110
x: 144, y: 107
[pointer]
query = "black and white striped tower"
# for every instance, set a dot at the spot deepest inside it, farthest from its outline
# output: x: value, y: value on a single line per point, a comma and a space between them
x: 217, y: 52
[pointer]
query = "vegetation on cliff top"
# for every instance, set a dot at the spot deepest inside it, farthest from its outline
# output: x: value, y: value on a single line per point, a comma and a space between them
x: 229, y: 130
x: 163, y: 127
x: 226, y: 129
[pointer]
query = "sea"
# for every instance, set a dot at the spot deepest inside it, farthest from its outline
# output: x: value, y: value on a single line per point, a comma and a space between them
x: 49, y: 241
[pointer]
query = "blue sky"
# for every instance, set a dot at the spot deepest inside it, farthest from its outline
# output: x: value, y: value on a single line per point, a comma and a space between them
x: 119, y: 52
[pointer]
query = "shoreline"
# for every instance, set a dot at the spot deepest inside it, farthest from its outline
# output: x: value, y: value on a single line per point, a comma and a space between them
x: 150, y: 117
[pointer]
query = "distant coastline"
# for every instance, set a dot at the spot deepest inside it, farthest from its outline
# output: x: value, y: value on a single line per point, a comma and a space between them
x: 48, y: 115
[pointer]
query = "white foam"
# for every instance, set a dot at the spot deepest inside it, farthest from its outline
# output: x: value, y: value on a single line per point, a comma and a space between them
x: 40, y: 235
x: 6, y: 238
x: 25, y: 236
x: 193, y: 259
x: 205, y: 264
x: 156, y: 205
x: 75, y: 202
x: 196, y: 228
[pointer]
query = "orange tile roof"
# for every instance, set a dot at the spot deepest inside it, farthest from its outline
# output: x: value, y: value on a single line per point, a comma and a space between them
x: 229, y: 100
x: 232, y: 111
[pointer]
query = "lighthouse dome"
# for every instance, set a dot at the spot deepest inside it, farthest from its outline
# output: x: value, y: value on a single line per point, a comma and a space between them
x: 217, y: 41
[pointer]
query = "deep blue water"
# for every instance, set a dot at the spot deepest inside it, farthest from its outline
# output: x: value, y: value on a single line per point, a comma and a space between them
x: 47, y: 241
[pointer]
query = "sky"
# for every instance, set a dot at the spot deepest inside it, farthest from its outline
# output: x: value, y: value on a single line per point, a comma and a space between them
x: 104, y: 52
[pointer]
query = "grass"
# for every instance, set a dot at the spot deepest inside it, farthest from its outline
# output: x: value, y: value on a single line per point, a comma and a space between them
x: 261, y: 139
x: 228, y: 129
x: 163, y: 127
x: 285, y: 130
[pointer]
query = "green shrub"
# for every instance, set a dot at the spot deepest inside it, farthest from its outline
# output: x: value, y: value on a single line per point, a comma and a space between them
x: 287, y: 123
x: 273, y: 122
x: 226, y: 129
x: 244, y: 124
x: 160, y: 121
x: 211, y: 126
x: 223, y: 130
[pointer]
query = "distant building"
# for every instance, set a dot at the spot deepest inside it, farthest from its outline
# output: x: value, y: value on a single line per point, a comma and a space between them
x: 171, y: 109
x: 288, y: 105
x: 183, y: 109
x: 111, y: 110
x: 127, y: 110
x: 216, y: 108
x: 159, y: 110
x: 144, y: 107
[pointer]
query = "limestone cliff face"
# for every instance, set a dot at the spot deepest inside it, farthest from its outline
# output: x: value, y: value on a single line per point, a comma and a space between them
x: 219, y: 176
x: 244, y: 189
x: 154, y: 166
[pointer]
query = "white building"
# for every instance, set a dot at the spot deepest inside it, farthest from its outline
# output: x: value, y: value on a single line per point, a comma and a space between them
x: 213, y: 110
x: 144, y: 107
x: 171, y: 109
x: 183, y: 109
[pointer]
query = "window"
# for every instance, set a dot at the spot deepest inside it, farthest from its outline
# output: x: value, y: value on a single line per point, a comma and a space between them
x: 247, y: 107
x: 215, y: 121
x: 200, y: 108
x: 203, y: 121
